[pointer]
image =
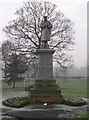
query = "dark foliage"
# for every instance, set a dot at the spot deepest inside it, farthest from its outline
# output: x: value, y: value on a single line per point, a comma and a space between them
x: 16, y: 102
x: 14, y: 68
x: 74, y: 101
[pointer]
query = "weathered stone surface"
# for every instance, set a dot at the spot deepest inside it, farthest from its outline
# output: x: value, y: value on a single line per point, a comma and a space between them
x: 51, y: 112
x: 53, y: 96
x: 45, y: 64
x: 45, y: 87
x: 45, y: 90
x: 45, y: 84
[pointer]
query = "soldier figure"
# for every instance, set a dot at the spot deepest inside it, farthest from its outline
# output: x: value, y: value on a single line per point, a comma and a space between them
x: 46, y: 27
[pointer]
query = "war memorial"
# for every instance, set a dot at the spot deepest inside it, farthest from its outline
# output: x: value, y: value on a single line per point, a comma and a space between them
x: 45, y: 88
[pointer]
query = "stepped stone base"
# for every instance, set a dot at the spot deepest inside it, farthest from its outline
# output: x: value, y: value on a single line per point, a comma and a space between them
x: 45, y: 87
x: 45, y: 90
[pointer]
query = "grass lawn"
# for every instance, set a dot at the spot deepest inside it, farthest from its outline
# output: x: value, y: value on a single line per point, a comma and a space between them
x: 8, y: 91
x: 69, y: 88
x: 73, y: 88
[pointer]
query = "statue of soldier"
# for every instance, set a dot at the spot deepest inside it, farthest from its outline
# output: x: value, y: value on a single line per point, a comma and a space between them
x: 46, y: 27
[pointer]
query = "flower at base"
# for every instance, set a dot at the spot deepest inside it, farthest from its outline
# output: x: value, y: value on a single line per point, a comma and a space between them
x: 45, y: 104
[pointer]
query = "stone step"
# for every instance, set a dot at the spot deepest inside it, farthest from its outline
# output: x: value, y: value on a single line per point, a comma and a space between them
x: 45, y: 86
x: 45, y: 91
x: 45, y: 81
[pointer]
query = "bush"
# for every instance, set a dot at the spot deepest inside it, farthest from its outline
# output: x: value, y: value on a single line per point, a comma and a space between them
x: 74, y: 101
x: 28, y: 88
x: 8, y: 118
x: 19, y: 102
x: 16, y: 102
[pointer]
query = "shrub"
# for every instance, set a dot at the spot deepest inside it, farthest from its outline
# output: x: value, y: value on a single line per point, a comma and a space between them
x: 28, y: 88
x: 8, y: 118
x: 16, y: 102
x: 74, y: 101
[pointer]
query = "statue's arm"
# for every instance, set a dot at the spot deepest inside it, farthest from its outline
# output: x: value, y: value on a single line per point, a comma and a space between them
x: 50, y: 25
x: 42, y: 25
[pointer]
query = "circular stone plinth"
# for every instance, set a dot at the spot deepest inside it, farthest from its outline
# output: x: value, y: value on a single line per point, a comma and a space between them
x: 50, y: 111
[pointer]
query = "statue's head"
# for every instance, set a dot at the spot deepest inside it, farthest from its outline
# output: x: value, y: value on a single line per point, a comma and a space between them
x: 45, y: 18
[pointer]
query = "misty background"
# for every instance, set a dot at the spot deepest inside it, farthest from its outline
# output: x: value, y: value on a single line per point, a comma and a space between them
x: 76, y: 10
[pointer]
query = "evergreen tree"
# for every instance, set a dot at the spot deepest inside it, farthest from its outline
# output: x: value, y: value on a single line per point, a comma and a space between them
x: 14, y: 69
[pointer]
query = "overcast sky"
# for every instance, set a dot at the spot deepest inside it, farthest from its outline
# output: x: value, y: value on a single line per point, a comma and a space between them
x: 76, y: 10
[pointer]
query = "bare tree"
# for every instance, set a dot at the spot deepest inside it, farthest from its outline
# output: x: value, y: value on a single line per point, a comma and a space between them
x: 25, y: 30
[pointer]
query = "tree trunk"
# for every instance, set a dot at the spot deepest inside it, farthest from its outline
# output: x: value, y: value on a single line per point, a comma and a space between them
x: 14, y: 84
x: 5, y: 71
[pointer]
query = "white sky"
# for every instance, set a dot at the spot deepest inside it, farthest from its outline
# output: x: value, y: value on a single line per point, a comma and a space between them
x: 76, y: 10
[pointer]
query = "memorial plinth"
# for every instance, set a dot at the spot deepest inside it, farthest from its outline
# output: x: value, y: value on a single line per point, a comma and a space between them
x: 45, y: 87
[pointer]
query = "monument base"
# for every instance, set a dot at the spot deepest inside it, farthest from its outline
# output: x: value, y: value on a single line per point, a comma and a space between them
x: 45, y: 88
x: 45, y: 91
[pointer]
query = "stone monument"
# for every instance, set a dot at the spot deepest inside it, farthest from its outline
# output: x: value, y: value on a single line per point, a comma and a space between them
x: 45, y: 87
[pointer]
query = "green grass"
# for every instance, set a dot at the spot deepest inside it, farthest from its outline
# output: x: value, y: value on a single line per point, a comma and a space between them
x: 82, y: 115
x: 69, y: 88
x: 73, y: 88
x: 19, y: 84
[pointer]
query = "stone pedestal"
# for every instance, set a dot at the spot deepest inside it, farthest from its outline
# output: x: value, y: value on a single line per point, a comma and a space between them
x: 45, y: 64
x: 45, y: 87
